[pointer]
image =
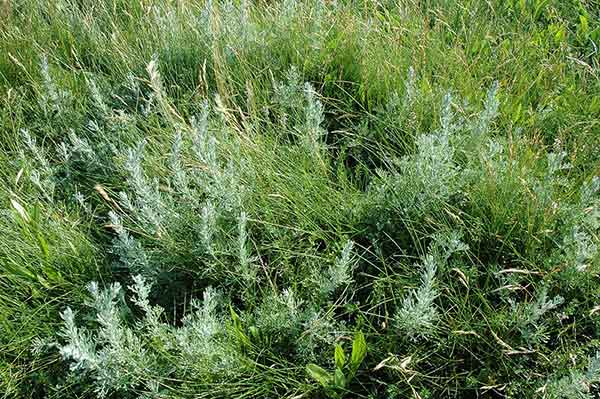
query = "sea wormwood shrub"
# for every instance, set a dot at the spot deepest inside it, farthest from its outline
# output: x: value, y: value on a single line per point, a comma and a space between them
x: 489, y: 113
x: 41, y: 174
x: 124, y: 355
x: 424, y: 182
x: 98, y: 98
x: 232, y: 27
x: 338, y: 274
x: 298, y: 107
x: 149, y: 205
x: 398, y: 115
x: 132, y: 256
x: 112, y: 352
x: 287, y: 98
x: 530, y: 317
x: 530, y: 240
x: 579, y: 246
x: 314, y: 133
x: 53, y: 100
x: 320, y: 330
x: 286, y: 324
x: 247, y: 270
x: 180, y: 178
x: 76, y: 159
x: 577, y: 384
x: 199, y: 195
x: 280, y: 315
x: 202, y: 186
x: 418, y: 316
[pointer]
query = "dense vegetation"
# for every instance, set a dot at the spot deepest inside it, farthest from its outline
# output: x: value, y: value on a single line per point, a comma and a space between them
x: 346, y: 199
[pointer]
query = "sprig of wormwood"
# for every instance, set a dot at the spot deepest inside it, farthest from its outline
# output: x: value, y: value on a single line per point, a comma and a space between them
x: 120, y: 356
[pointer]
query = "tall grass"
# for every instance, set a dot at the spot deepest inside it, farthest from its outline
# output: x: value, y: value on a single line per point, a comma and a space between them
x: 314, y: 199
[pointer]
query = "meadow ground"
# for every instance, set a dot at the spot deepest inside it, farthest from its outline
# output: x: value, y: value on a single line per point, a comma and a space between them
x: 341, y: 199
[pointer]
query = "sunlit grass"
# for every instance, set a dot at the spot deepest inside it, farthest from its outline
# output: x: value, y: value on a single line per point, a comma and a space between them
x: 230, y: 199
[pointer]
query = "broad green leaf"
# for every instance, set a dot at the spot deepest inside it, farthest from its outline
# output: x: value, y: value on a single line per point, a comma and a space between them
x: 359, y: 350
x: 339, y: 357
x: 238, y: 328
x: 319, y: 374
x: 584, y: 26
x: 339, y: 379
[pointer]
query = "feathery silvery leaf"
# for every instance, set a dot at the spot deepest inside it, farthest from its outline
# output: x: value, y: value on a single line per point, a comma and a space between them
x: 489, y: 113
x: 313, y: 119
x: 418, y: 315
x: 131, y: 253
x: 148, y: 197
x: 338, y: 274
x: 246, y: 268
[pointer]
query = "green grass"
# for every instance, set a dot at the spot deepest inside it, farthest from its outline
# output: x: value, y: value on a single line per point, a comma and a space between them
x: 264, y: 191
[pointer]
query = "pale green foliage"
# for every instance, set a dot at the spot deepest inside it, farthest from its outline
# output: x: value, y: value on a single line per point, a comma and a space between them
x: 37, y: 152
x: 446, y: 244
x: 576, y: 385
x: 121, y: 356
x: 399, y: 110
x: 99, y: 102
x: 433, y: 168
x: 81, y: 349
x: 283, y: 317
x: 132, y: 255
x: 148, y: 200
x: 320, y: 330
x: 247, y: 270
x: 202, y: 337
x: 590, y: 191
x: 427, y: 179
x: 53, y: 98
x: 417, y: 316
x: 220, y: 180
x: 489, y: 113
x: 156, y: 83
x: 41, y: 174
x: 410, y: 89
x: 556, y: 163
x: 531, y: 317
x: 548, y: 186
x: 180, y: 178
x: 237, y: 31
x: 141, y: 299
x: 579, y: 246
x: 208, y: 226
x: 338, y: 274
x: 280, y: 314
x: 203, y: 198
x: 314, y: 118
x: 288, y: 97
x: 204, y: 144
x: 299, y: 107
x: 111, y: 352
x: 187, y: 144
x: 80, y: 147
